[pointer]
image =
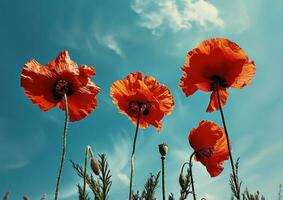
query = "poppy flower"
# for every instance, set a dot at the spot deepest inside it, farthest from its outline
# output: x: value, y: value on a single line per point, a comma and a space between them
x: 47, y: 85
x: 136, y: 93
x: 210, y: 145
x: 216, y: 63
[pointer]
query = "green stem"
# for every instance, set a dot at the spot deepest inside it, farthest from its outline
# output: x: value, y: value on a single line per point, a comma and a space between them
x: 183, y: 166
x: 163, y: 176
x: 85, y: 170
x: 63, y: 147
x: 133, y: 155
x: 191, y: 173
x: 227, y: 139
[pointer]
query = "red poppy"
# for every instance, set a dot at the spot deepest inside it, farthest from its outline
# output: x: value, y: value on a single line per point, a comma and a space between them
x: 210, y: 145
x: 216, y: 62
x: 47, y: 85
x: 145, y: 93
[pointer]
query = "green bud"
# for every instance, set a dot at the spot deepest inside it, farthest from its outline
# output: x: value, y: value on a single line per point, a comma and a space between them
x: 95, y: 166
x: 183, y: 181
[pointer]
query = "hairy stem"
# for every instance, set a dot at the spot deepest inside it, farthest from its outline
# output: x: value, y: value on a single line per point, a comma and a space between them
x: 227, y: 139
x: 163, y: 177
x: 191, y: 173
x: 85, y: 169
x: 133, y: 155
x: 63, y: 147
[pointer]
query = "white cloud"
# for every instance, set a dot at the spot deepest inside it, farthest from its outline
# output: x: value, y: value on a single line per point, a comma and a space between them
x: 210, y: 197
x: 110, y: 42
x: 263, y: 155
x: 70, y: 190
x: 177, y: 15
x: 123, y: 178
x: 16, y: 165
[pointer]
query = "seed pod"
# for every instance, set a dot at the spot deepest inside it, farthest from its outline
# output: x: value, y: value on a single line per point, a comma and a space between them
x: 163, y: 149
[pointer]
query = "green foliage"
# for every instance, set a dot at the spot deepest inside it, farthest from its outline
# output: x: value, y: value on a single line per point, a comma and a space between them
x: 100, y: 185
x: 149, y: 188
x: 171, y: 197
x: 82, y: 196
x: 236, y: 188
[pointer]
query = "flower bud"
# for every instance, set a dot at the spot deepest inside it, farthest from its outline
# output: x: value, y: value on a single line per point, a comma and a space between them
x: 26, y: 198
x: 183, y: 181
x: 163, y: 149
x: 95, y: 166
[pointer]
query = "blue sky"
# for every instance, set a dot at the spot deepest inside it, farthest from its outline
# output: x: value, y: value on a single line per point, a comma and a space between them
x: 119, y: 37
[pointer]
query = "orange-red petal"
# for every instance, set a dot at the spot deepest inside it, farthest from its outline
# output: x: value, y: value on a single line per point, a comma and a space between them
x: 213, y: 103
x: 161, y: 93
x: 136, y: 87
x: 82, y: 102
x: 209, y: 135
x: 216, y: 57
x: 246, y: 75
x: 205, y: 135
x: 63, y: 63
x: 214, y: 164
x: 38, y: 83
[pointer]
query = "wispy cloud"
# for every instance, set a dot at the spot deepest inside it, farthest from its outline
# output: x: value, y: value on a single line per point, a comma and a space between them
x: 69, y: 191
x: 16, y: 165
x: 123, y: 178
x: 176, y: 15
x: 119, y: 158
x: 110, y: 42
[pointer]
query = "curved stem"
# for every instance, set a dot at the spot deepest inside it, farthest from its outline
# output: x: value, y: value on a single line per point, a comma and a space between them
x: 163, y: 176
x: 191, y: 173
x: 184, y: 164
x: 227, y: 139
x: 85, y: 169
x: 63, y: 147
x: 133, y: 155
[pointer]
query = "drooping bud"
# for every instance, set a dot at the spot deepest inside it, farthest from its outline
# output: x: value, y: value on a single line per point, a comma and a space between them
x: 26, y: 198
x: 163, y: 149
x: 6, y: 196
x: 183, y: 181
x: 95, y: 166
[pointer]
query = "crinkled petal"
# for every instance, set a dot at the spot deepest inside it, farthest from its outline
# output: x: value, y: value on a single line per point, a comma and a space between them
x: 215, y: 57
x: 63, y: 63
x: 154, y: 119
x: 161, y: 93
x: 136, y: 88
x: 205, y: 135
x: 82, y: 102
x: 85, y: 74
x: 87, y: 71
x: 214, y: 169
x: 213, y: 104
x: 38, y: 83
x: 214, y: 164
x: 246, y: 75
x: 209, y: 135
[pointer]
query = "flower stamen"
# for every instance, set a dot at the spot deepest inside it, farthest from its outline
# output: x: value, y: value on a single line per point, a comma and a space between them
x: 135, y: 106
x: 218, y: 81
x: 207, y: 152
x: 62, y: 87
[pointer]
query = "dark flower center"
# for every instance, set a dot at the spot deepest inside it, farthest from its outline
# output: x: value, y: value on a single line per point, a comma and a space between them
x: 217, y: 81
x: 143, y: 107
x: 62, y: 87
x: 207, y: 152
